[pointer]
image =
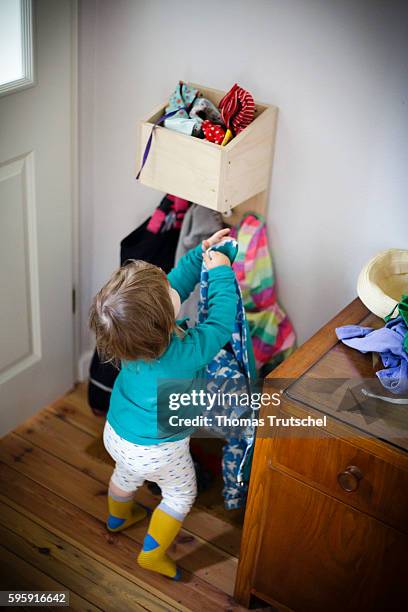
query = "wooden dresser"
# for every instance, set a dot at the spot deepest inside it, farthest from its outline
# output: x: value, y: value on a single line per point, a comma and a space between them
x: 326, y: 525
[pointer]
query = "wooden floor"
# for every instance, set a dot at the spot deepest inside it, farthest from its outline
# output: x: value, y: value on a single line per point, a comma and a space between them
x: 52, y: 525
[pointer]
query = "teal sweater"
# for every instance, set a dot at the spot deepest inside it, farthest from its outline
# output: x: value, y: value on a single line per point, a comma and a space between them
x: 133, y: 410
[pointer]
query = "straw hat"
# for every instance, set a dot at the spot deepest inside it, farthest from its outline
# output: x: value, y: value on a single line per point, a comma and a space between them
x: 383, y: 280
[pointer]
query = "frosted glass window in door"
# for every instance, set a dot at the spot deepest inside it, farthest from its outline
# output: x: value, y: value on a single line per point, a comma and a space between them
x: 16, y: 56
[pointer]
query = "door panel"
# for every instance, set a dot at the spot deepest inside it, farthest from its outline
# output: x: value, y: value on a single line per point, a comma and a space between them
x: 20, y: 337
x: 36, y: 276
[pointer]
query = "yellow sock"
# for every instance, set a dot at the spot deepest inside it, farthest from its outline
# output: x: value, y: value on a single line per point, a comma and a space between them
x: 122, y: 514
x: 162, y: 530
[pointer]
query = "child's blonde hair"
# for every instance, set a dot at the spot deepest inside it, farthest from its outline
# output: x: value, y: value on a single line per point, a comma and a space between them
x: 133, y: 315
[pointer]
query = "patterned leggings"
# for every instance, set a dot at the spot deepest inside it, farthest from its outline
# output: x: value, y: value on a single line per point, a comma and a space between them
x: 168, y: 464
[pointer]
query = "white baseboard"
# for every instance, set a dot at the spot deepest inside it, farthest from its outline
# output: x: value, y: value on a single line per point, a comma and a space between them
x: 83, y: 365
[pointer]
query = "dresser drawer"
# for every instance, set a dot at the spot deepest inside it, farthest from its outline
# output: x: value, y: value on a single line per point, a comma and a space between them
x: 317, y: 554
x: 341, y: 469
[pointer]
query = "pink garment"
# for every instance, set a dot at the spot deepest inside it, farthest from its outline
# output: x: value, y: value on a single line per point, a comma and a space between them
x: 170, y: 212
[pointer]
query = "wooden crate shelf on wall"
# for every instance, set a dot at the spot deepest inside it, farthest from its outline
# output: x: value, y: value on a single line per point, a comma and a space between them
x: 203, y: 172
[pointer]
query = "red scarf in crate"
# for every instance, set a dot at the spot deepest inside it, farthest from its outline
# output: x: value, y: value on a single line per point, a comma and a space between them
x: 237, y: 109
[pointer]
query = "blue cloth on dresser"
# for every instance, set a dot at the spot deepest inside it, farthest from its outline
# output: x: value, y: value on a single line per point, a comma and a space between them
x: 388, y: 342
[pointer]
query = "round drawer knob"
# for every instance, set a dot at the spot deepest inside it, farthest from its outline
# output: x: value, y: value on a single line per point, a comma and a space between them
x: 350, y: 478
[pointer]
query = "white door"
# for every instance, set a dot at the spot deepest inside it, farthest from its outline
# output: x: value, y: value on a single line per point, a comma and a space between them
x: 36, y: 195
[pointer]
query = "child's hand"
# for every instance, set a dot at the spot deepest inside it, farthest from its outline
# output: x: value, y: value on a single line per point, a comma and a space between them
x: 215, y: 238
x: 213, y: 259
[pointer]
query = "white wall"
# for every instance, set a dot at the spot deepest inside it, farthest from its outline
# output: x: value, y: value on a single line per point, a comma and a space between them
x: 337, y: 69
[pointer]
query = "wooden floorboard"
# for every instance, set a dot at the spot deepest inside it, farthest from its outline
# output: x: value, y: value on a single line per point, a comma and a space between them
x: 89, y: 495
x: 18, y: 575
x: 73, y: 568
x: 75, y: 410
x: 50, y: 433
x: 117, y: 551
x: 57, y: 495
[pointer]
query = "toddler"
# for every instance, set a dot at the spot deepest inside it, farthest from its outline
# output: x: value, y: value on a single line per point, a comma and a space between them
x: 134, y: 317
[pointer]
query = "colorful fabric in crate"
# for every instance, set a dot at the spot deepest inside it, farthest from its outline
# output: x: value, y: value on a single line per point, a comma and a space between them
x: 192, y: 110
x: 182, y: 98
x: 213, y: 132
x: 273, y: 337
x: 204, y: 110
x: 231, y: 371
x: 237, y: 110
